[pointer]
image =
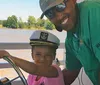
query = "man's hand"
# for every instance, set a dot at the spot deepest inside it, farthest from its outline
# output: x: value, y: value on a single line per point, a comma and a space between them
x: 4, y: 53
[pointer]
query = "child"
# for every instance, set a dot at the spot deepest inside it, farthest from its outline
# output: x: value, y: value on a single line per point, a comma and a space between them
x: 42, y: 71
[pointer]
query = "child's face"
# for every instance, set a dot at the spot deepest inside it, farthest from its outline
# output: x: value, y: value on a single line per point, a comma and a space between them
x: 43, y: 55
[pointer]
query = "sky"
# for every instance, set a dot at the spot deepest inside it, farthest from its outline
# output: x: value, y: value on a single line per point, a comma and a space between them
x: 20, y: 8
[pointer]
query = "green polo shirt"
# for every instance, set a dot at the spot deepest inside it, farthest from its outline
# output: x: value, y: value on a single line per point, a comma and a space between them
x: 83, y: 46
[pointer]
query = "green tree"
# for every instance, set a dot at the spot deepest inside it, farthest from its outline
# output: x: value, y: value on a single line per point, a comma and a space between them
x: 1, y: 22
x: 31, y: 21
x: 4, y: 23
x: 40, y: 22
x: 12, y: 22
x: 48, y: 25
x: 21, y: 23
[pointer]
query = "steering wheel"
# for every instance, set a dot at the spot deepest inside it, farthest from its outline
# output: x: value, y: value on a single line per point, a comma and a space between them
x: 16, y: 68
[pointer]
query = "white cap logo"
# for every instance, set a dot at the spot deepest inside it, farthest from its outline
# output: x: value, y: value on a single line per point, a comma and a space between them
x: 44, y: 36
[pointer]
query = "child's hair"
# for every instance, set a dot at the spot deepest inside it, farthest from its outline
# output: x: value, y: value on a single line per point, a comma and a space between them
x: 44, y: 38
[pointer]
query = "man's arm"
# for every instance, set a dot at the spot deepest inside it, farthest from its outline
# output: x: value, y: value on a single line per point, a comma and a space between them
x: 73, y: 66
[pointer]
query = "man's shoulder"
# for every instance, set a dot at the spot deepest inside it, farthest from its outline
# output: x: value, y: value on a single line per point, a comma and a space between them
x: 88, y: 5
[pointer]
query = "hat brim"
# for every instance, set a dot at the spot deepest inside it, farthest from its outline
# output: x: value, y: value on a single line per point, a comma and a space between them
x: 49, y: 7
x: 38, y: 43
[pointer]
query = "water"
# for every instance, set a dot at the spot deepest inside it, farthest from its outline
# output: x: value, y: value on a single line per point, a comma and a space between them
x: 22, y: 36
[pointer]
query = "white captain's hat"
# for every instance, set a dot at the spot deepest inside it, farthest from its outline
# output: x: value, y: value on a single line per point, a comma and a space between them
x: 40, y: 37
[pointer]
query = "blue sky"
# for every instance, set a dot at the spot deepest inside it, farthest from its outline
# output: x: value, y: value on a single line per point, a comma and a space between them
x: 20, y: 8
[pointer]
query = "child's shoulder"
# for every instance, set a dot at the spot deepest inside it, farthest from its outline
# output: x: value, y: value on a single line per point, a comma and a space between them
x: 57, y: 67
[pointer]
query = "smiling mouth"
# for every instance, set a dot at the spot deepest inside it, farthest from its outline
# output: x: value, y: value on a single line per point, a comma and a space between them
x: 65, y: 21
x: 60, y: 27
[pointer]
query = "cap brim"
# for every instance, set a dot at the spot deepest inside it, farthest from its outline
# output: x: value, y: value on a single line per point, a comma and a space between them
x: 42, y: 16
x: 49, y: 7
x: 39, y: 43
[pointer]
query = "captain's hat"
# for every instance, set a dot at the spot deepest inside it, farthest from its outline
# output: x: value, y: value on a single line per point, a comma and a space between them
x: 40, y: 37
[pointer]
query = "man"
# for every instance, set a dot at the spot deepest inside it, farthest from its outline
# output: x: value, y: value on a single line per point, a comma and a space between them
x: 82, y: 23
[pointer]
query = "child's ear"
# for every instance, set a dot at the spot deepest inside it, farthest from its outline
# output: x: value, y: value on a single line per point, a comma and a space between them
x: 54, y: 56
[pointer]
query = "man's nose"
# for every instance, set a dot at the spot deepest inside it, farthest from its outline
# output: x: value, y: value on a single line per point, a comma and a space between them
x: 57, y: 21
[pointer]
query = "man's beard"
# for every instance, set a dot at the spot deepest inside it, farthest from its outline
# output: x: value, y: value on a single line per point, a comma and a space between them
x: 59, y: 28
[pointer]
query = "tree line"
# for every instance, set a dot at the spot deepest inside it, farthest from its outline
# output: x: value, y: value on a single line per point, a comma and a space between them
x: 13, y: 22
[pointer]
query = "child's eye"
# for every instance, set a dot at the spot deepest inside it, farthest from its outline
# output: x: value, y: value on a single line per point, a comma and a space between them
x: 38, y: 54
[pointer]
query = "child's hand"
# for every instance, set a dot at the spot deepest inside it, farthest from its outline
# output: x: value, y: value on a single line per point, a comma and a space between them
x: 4, y: 53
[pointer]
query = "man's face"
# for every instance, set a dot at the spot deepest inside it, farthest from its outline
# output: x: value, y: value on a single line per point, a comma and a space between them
x: 65, y: 19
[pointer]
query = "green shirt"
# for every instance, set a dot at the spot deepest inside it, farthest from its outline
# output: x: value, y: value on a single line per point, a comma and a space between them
x: 83, y: 47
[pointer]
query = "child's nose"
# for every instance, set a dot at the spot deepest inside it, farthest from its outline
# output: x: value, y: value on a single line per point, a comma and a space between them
x: 42, y: 58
